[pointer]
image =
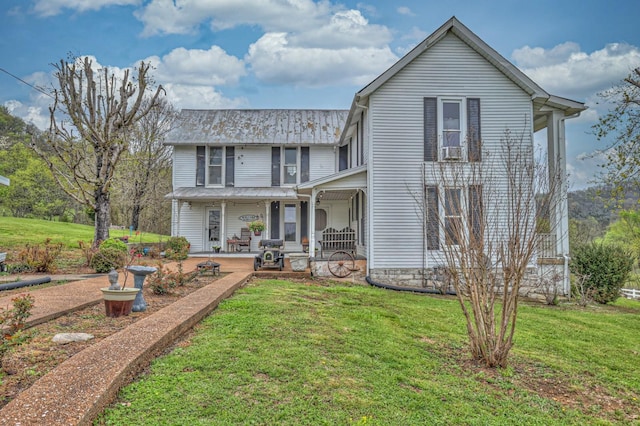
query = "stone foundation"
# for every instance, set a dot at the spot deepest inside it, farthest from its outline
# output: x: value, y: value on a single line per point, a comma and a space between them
x: 543, y: 282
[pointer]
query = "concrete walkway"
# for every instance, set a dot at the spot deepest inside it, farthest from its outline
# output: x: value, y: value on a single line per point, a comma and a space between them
x: 79, y: 389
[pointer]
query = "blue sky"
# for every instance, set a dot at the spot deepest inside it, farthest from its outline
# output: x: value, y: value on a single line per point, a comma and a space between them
x: 314, y: 54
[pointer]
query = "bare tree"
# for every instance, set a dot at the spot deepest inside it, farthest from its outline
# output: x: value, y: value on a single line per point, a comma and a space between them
x: 93, y: 113
x: 145, y: 176
x: 480, y: 218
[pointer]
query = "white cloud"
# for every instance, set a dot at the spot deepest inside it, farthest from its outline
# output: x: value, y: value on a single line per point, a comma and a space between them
x: 567, y: 71
x: 169, y: 17
x: 273, y: 60
x: 199, y: 97
x: 54, y: 7
x: 198, y: 67
x: 404, y: 10
x: 344, y: 29
x: 37, y: 115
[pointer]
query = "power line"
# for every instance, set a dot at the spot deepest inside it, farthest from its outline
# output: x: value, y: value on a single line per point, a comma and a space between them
x: 39, y: 89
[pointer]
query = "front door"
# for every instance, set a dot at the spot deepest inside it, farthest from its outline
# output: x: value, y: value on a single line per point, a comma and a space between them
x: 213, y: 231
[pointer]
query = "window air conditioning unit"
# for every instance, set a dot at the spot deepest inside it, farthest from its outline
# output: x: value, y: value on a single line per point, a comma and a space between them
x: 451, y: 153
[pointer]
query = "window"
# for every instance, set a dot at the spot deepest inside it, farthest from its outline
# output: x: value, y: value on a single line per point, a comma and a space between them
x: 291, y: 165
x: 293, y: 170
x: 461, y: 212
x: 452, y: 217
x: 343, y: 158
x: 451, y: 129
x: 215, y: 165
x: 289, y: 222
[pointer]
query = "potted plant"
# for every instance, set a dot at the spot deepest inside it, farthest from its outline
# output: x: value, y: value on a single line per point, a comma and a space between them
x: 118, y: 300
x: 257, y: 226
x: 216, y: 247
x: 305, y: 244
x: 121, y: 300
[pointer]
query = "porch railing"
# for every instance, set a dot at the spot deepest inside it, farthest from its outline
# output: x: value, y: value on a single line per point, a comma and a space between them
x: 547, y: 246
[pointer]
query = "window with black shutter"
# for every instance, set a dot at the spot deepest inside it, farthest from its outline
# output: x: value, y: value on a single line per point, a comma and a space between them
x: 430, y: 129
x: 473, y: 130
x: 229, y: 172
x: 275, y: 166
x: 432, y: 218
x: 201, y: 162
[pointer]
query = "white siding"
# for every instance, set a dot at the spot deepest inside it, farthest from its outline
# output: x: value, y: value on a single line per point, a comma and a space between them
x: 322, y: 161
x: 184, y: 166
x: 449, y: 68
x: 252, y: 166
x: 192, y: 225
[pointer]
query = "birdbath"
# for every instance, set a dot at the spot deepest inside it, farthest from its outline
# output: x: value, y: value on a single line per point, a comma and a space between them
x: 139, y: 274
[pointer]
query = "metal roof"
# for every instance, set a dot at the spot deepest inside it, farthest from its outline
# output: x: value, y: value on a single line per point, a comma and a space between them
x: 202, y: 193
x: 260, y: 126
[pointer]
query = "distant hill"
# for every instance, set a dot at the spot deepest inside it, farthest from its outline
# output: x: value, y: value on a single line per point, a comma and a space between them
x: 596, y: 202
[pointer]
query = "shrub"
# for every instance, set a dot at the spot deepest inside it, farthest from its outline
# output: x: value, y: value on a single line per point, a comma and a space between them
x: 177, y: 248
x: 605, y: 268
x: 107, y: 259
x: 114, y: 243
x: 13, y: 320
x: 41, y: 258
x: 163, y: 281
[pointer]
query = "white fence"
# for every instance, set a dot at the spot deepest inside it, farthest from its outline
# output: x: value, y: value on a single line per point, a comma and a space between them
x: 630, y: 293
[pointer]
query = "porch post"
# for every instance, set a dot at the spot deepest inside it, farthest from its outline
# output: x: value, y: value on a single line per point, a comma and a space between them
x: 557, y: 153
x: 312, y: 223
x: 179, y: 204
x: 557, y: 165
x: 267, y: 219
x: 223, y: 223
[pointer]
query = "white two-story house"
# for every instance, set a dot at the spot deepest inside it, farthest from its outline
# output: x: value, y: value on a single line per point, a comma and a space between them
x: 449, y: 101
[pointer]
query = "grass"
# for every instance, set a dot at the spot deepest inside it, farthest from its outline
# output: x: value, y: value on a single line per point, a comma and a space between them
x: 15, y: 233
x: 287, y: 353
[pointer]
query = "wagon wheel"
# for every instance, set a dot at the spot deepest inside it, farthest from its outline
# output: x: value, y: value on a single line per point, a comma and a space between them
x: 341, y: 264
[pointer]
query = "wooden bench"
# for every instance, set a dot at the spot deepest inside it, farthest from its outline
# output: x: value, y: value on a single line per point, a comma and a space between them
x: 334, y: 240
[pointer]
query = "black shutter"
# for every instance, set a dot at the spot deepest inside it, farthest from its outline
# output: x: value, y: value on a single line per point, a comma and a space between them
x: 304, y: 220
x: 343, y: 158
x: 430, y: 129
x: 474, y: 137
x: 200, y: 165
x: 304, y: 164
x: 274, y: 228
x: 475, y: 216
x: 230, y: 166
x: 433, y: 218
x: 275, y: 166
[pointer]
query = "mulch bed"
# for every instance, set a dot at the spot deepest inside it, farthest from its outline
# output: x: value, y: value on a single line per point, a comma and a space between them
x: 25, y: 363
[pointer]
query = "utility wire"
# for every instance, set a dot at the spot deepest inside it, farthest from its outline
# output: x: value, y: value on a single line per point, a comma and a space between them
x: 39, y: 89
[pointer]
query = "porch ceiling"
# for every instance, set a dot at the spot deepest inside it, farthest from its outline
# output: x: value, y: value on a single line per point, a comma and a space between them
x: 204, y: 194
x: 341, y: 195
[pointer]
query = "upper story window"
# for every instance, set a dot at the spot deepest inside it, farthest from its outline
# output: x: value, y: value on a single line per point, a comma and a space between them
x: 452, y: 129
x: 215, y: 166
x: 289, y: 166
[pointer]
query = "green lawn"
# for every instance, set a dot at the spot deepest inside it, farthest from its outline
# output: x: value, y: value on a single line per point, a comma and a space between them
x: 15, y: 233
x: 279, y: 352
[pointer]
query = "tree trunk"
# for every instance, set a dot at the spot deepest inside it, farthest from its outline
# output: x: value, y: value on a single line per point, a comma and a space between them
x: 102, y: 217
x: 135, y: 215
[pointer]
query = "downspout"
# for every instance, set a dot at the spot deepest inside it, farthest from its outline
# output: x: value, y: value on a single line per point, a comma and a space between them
x: 410, y: 289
